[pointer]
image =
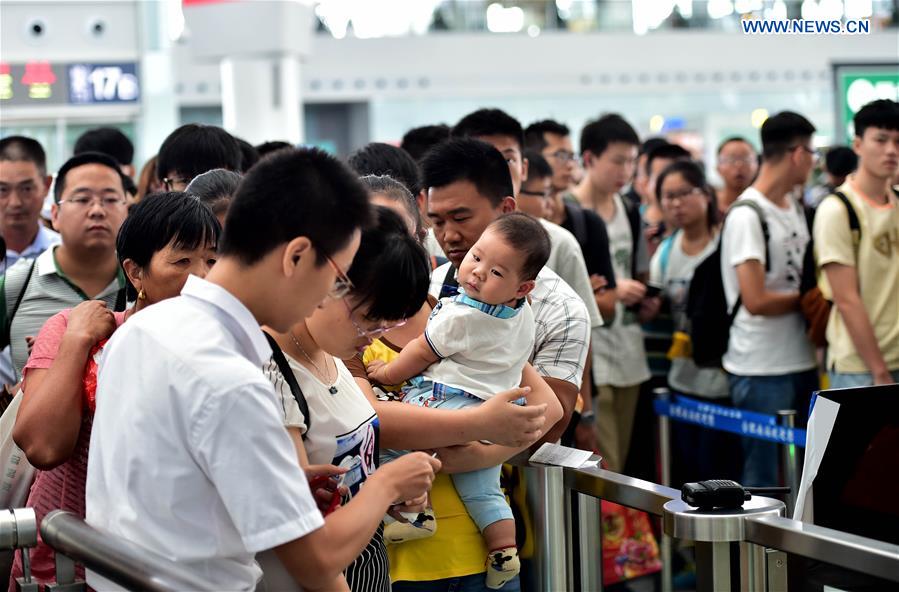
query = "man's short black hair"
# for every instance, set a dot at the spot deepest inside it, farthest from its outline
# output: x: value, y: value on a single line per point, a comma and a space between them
x: 782, y: 132
x: 840, y: 161
x: 538, y: 167
x: 418, y: 140
x: 666, y: 151
x: 293, y: 193
x: 533, y: 134
x: 163, y: 218
x: 108, y: 140
x: 597, y: 135
x: 650, y: 144
x: 527, y: 236
x: 378, y: 158
x: 882, y: 113
x: 489, y: 122
x: 82, y: 159
x: 391, y: 271
x: 268, y: 147
x: 194, y: 148
x: 248, y: 154
x: 467, y: 159
x: 22, y: 148
x: 731, y: 140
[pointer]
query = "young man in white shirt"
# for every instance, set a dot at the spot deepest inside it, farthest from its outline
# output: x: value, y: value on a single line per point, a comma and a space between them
x: 188, y: 456
x: 769, y: 360
x: 863, y: 329
x: 738, y: 164
x: 609, y: 150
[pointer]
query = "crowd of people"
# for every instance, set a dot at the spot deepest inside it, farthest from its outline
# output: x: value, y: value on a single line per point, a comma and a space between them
x: 277, y: 368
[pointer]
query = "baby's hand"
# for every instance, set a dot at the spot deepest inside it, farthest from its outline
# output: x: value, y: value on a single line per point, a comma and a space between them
x: 377, y: 371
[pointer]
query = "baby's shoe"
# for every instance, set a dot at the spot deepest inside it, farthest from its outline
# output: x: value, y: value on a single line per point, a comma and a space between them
x: 400, y: 527
x: 502, y: 566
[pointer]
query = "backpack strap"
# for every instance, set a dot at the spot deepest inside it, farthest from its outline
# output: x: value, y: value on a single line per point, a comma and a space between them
x: 450, y: 285
x: 665, y: 254
x: 286, y: 371
x: 636, y: 224
x: 15, y: 307
x: 578, y: 223
x: 764, y: 222
x: 854, y: 226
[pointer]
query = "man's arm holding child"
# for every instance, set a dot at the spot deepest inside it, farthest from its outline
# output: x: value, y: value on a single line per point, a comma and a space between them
x: 412, y: 361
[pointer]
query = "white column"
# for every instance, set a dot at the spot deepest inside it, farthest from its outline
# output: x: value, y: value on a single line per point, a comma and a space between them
x: 261, y: 97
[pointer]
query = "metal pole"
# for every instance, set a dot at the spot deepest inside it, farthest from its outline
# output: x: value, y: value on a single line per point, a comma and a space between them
x: 752, y: 567
x: 664, y: 394
x: 549, y: 519
x: 590, y: 539
x: 713, y: 567
x: 789, y: 461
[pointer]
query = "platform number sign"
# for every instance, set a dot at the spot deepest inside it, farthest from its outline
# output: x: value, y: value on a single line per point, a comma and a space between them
x: 103, y: 83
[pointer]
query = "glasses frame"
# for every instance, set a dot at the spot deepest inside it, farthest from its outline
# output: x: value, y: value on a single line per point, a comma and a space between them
x: 369, y: 333
x: 684, y: 194
x: 93, y: 200
x: 343, y: 285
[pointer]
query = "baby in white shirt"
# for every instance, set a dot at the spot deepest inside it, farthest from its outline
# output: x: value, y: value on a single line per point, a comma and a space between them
x: 475, y: 345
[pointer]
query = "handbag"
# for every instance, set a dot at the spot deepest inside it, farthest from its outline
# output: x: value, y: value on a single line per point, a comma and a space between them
x: 17, y: 473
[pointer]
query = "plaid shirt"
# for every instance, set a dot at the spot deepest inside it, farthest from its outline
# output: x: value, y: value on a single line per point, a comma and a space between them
x: 563, y: 326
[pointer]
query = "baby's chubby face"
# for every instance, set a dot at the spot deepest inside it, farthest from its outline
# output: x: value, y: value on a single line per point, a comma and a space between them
x: 491, y: 271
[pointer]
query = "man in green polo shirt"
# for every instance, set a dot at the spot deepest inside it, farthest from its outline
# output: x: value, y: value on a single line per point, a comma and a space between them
x: 89, y: 208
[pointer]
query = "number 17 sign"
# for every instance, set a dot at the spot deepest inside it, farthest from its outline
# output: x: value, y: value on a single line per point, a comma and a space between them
x: 103, y: 83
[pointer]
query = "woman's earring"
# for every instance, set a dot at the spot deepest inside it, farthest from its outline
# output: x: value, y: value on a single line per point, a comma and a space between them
x: 141, y: 295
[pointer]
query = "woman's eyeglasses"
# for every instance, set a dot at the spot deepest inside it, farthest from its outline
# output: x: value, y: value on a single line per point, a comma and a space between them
x: 342, y: 285
x: 370, y: 333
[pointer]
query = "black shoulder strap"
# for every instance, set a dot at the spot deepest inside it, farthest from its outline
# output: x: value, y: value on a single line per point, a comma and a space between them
x: 450, y: 286
x: 286, y: 371
x: 764, y: 222
x: 15, y: 307
x: 578, y: 223
x: 633, y: 218
x: 120, y: 301
x: 854, y: 225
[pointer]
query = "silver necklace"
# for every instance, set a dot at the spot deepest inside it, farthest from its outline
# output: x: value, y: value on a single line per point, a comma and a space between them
x: 331, y: 389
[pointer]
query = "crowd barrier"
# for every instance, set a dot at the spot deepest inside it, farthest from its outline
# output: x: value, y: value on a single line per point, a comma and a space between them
x: 745, y: 550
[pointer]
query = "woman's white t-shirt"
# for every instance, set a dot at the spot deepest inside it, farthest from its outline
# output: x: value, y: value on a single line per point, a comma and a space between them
x: 766, y: 345
x: 674, y: 277
x: 343, y: 431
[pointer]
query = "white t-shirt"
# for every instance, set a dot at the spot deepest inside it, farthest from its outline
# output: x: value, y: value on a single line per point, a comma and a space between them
x: 344, y: 432
x: 189, y: 456
x: 562, y: 325
x: 766, y: 345
x: 480, y: 353
x: 619, y: 356
x: 674, y: 278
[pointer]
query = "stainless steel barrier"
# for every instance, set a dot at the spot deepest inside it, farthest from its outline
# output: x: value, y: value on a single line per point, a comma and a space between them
x: 758, y: 534
x: 114, y: 558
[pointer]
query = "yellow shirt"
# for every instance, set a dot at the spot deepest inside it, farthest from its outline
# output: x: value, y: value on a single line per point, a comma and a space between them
x: 877, y: 267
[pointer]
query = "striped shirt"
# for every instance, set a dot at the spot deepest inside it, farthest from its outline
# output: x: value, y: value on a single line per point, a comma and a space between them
x: 48, y: 291
x: 563, y: 326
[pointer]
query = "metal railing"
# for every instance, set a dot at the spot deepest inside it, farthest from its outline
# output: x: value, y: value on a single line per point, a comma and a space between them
x: 761, y: 534
x: 112, y: 557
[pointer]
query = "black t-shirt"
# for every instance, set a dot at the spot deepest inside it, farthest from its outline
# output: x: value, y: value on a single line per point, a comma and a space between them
x: 591, y: 235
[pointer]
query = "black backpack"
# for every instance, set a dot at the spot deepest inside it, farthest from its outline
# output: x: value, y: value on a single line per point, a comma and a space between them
x: 710, y: 318
x: 291, y: 380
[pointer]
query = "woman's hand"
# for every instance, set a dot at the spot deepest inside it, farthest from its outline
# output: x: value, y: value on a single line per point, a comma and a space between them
x: 324, y: 492
x: 507, y: 424
x: 410, y: 476
x: 91, y: 321
x: 598, y: 282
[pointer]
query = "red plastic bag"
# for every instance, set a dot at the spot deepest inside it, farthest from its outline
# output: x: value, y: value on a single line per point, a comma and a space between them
x: 629, y: 548
x: 89, y: 380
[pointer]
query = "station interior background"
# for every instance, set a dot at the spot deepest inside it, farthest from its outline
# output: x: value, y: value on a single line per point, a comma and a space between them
x: 340, y: 73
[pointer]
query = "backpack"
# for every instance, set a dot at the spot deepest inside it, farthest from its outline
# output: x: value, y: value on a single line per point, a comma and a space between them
x: 636, y: 223
x: 815, y: 307
x: 578, y: 224
x: 710, y: 317
x: 295, y: 390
